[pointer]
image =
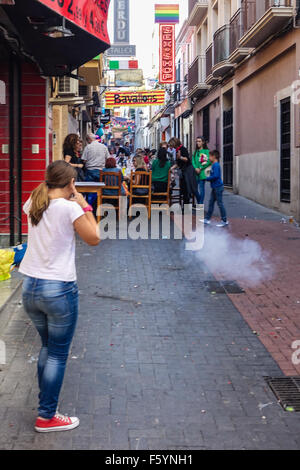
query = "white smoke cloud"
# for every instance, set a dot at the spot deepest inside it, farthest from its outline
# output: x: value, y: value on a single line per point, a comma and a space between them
x: 234, y: 258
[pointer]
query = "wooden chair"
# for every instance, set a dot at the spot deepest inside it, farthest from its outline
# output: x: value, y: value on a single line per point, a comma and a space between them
x: 113, y: 182
x: 163, y: 198
x: 176, y: 195
x: 140, y: 180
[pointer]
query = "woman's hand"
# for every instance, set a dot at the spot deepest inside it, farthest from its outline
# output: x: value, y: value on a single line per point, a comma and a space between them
x: 198, y: 171
x: 78, y: 197
x: 80, y: 165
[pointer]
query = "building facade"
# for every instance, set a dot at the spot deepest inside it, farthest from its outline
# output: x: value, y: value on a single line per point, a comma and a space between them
x: 242, y: 83
x: 36, y: 44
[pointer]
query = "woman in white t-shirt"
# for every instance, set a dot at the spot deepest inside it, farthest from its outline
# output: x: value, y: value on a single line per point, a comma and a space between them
x: 55, y: 212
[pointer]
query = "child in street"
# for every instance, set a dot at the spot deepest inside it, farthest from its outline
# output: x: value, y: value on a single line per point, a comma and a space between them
x: 217, y: 189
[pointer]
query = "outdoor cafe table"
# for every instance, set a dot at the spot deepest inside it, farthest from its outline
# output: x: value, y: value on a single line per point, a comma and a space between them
x: 91, y: 187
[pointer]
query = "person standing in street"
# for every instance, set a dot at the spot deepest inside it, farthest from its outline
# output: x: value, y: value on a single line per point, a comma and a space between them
x: 202, y: 165
x: 187, y: 178
x: 95, y: 155
x: 217, y: 190
x: 55, y: 211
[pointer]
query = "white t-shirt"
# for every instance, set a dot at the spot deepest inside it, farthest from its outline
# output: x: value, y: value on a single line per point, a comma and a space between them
x: 50, y: 252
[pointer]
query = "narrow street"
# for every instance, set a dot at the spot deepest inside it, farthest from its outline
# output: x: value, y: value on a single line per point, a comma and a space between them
x: 158, y: 360
x: 152, y: 111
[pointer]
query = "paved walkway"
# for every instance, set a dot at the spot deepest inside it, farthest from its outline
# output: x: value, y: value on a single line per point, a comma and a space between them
x: 158, y: 361
x: 272, y: 306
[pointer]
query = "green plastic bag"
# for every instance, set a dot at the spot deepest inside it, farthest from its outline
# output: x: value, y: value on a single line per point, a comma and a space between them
x: 6, y: 260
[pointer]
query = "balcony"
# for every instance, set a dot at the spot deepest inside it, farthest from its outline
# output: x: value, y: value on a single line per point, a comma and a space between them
x: 196, y: 78
x: 263, y: 18
x: 237, y: 53
x: 222, y: 65
x: 210, y: 79
x: 197, y: 11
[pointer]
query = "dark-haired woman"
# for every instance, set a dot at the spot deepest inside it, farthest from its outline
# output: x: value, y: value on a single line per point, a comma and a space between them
x: 202, y: 165
x: 187, y: 179
x: 160, y: 171
x: 55, y: 212
x: 71, y: 149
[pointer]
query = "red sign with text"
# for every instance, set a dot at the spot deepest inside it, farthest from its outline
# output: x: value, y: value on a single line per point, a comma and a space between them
x: 167, y: 70
x: 90, y: 15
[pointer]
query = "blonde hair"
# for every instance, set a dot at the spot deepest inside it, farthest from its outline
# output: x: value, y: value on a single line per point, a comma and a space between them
x: 174, y: 142
x: 140, y: 162
x: 58, y: 175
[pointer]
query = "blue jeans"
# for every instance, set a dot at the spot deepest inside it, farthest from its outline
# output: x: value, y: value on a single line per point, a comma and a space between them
x: 53, y: 308
x: 201, y: 189
x: 92, y: 175
x: 217, y: 195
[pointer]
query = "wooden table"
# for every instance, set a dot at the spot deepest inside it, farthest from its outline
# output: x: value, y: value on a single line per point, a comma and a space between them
x: 91, y: 187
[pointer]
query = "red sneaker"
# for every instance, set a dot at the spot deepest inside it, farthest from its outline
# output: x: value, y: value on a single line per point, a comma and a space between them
x: 57, y: 423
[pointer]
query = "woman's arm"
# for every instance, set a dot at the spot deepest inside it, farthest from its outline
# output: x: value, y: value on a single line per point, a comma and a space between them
x: 68, y: 158
x: 86, y: 225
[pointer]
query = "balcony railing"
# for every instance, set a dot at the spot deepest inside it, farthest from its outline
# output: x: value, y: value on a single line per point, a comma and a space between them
x: 253, y: 10
x: 236, y: 30
x: 209, y: 60
x: 221, y: 44
x: 197, y: 72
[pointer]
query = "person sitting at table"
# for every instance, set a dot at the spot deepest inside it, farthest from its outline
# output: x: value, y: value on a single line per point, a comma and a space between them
x: 111, y: 166
x: 72, y: 147
x: 140, y: 165
x: 160, y: 171
x: 95, y: 155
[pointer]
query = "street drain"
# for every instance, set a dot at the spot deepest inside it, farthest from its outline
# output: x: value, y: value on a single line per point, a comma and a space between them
x: 287, y: 391
x: 224, y: 287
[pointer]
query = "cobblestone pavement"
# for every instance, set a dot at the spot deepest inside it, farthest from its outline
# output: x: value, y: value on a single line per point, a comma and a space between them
x: 157, y: 362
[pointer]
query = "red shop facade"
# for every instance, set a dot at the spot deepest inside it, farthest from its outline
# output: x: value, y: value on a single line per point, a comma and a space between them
x: 29, y: 55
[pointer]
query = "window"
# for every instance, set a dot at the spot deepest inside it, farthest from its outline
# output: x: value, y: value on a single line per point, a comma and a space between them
x: 285, y: 150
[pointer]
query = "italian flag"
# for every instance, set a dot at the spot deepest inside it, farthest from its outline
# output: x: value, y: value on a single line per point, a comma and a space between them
x: 123, y: 64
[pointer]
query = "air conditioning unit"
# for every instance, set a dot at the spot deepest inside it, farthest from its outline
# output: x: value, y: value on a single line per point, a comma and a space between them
x: 67, y: 86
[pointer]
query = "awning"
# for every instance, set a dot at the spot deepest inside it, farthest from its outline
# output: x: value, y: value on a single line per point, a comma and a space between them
x: 33, y: 20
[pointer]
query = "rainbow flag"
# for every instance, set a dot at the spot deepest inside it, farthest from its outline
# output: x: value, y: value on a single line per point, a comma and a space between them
x: 168, y: 14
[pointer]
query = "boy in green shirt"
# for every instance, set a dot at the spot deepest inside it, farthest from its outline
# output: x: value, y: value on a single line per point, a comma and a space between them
x: 202, y: 165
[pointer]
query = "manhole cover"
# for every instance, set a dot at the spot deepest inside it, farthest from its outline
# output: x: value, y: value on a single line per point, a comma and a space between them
x: 224, y: 287
x: 287, y: 391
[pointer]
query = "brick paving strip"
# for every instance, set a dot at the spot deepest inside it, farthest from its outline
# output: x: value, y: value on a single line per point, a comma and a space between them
x: 271, y: 308
x: 157, y: 362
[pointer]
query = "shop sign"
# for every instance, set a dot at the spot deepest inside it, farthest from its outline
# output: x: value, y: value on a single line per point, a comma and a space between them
x: 167, y: 69
x: 121, y: 22
x: 135, y: 99
x: 90, y: 15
